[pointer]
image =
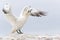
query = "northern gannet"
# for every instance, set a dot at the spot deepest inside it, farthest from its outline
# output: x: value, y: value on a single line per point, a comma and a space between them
x: 18, y: 23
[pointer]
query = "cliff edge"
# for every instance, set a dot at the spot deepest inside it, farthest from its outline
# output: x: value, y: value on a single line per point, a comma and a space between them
x: 29, y: 37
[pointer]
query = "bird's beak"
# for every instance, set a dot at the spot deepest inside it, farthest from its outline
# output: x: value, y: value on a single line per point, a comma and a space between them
x: 29, y: 11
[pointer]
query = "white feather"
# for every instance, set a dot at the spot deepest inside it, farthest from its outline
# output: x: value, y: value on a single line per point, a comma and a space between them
x: 18, y: 23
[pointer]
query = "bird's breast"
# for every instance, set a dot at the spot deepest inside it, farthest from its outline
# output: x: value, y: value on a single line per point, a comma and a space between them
x: 21, y: 21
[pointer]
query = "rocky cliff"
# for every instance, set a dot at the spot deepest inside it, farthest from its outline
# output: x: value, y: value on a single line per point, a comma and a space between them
x: 29, y: 37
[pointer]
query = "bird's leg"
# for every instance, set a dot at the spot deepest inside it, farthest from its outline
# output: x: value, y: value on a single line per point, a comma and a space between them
x: 19, y: 31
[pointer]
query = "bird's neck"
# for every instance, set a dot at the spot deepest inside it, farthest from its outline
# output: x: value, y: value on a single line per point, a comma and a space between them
x: 26, y: 16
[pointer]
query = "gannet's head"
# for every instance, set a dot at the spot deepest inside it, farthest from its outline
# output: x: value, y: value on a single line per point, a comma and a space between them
x: 27, y: 11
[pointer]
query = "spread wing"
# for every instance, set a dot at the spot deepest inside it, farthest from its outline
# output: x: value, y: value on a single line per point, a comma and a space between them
x: 38, y: 13
x: 7, y: 12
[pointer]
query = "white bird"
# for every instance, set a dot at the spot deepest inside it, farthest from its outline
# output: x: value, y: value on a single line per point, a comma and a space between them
x: 18, y: 23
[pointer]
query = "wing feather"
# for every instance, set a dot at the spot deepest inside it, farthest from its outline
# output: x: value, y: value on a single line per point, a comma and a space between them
x: 8, y: 14
x: 38, y: 13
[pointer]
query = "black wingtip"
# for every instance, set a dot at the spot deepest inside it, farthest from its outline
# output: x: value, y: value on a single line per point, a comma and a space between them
x: 42, y: 13
x: 4, y: 11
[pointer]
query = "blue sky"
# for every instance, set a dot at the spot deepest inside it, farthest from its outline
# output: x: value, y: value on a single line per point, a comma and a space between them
x: 49, y: 24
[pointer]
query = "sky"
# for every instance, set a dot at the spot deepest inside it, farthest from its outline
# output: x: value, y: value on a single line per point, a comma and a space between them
x: 49, y: 24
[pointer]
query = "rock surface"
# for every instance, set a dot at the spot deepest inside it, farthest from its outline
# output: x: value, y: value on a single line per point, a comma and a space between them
x: 29, y: 37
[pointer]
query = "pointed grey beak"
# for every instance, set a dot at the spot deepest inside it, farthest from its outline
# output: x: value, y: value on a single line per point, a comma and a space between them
x: 29, y: 11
